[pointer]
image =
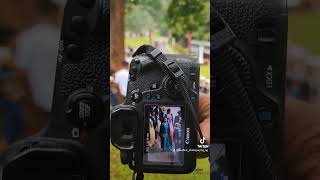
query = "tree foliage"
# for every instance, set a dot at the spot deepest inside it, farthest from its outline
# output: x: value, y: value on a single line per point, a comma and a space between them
x: 185, y: 16
x: 175, y: 16
x: 143, y: 15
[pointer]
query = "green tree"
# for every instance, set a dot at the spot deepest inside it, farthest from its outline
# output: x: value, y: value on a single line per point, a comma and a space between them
x: 143, y: 15
x: 185, y: 16
x: 139, y: 20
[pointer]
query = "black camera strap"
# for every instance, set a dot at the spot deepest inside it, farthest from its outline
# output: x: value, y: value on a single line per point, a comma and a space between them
x: 236, y: 95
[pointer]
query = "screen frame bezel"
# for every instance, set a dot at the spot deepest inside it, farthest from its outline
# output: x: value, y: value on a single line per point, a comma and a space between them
x: 189, y: 162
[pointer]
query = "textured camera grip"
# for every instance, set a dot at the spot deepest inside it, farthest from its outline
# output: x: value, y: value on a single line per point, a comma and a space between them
x: 242, y: 15
x: 89, y: 71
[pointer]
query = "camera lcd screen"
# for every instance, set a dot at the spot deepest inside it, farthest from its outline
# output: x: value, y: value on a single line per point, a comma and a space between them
x: 164, y: 135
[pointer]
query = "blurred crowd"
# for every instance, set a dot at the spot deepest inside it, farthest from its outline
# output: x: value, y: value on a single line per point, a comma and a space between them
x: 29, y: 39
x: 204, y: 85
x: 164, y: 129
x: 302, y: 75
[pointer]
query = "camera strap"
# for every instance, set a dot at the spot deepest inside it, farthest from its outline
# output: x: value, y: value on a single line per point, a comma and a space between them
x: 222, y: 34
x: 172, y: 68
x: 225, y: 52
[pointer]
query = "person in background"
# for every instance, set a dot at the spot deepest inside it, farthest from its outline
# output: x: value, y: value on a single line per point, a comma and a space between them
x: 178, y: 118
x: 152, y: 135
x: 121, y: 78
x: 113, y: 97
x: 37, y: 52
x: 170, y: 123
x: 19, y: 14
x: 161, y: 119
x: 154, y: 121
x: 177, y: 135
x: 166, y: 136
x: 12, y: 122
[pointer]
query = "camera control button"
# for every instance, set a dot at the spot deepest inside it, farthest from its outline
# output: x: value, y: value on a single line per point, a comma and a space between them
x: 136, y: 96
x: 132, y: 77
x: 137, y: 61
x: 74, y: 52
x: 193, y: 98
x: 154, y: 86
x: 133, y: 70
x: 87, y: 3
x: 157, y: 96
x: 148, y: 96
x: 193, y: 76
x: 79, y: 25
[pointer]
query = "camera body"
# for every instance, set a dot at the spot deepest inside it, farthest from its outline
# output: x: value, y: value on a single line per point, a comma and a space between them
x: 252, y: 46
x: 141, y: 125
x: 74, y: 143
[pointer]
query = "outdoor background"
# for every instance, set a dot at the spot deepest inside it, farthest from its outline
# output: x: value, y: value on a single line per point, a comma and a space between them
x: 173, y: 26
x: 303, y: 65
x: 164, y: 23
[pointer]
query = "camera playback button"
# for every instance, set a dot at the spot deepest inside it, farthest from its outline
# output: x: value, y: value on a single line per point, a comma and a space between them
x: 79, y: 25
x: 74, y: 52
x: 157, y: 96
x: 87, y: 3
x: 148, y: 96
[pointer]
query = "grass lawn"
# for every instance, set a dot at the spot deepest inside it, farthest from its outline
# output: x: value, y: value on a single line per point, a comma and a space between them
x: 205, y: 71
x: 304, y: 31
x: 122, y: 172
x: 136, y: 42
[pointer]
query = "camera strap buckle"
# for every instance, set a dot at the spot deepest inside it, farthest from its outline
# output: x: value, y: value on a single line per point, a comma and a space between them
x: 155, y: 53
x: 174, y: 68
x: 170, y: 65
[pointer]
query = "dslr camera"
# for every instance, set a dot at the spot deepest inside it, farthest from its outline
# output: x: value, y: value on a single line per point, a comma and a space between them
x: 155, y: 128
x: 73, y: 145
x: 249, y: 45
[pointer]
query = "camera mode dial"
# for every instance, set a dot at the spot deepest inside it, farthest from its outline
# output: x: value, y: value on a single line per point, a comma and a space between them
x: 172, y: 88
x: 84, y: 109
x: 136, y: 96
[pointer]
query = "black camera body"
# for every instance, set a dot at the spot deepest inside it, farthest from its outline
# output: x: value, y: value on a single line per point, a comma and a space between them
x: 154, y: 100
x: 74, y: 143
x: 249, y: 45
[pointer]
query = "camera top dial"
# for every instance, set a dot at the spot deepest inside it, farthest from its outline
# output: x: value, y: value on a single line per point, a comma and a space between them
x: 172, y: 88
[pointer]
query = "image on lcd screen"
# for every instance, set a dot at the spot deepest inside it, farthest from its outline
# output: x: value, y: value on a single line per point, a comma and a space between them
x: 164, y: 135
